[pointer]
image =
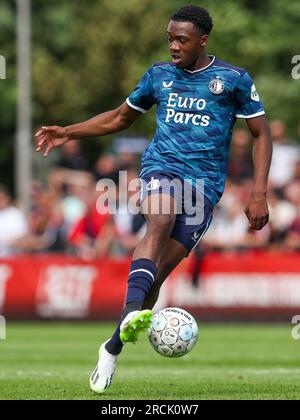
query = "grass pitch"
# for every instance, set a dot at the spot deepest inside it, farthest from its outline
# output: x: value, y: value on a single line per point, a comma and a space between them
x: 54, y: 361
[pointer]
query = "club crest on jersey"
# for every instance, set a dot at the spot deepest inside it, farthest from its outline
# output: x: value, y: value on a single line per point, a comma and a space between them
x: 216, y: 86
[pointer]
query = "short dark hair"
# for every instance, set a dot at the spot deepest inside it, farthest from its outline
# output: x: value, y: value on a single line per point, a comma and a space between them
x: 197, y: 15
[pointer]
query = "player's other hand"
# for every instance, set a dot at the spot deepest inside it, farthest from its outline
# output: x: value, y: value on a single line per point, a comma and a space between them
x: 46, y: 138
x: 257, y: 212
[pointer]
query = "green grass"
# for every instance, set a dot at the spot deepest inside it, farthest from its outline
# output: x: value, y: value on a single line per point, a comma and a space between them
x: 54, y: 361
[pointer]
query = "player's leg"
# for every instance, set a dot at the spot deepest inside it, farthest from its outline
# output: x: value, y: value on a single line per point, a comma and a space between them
x: 183, y: 239
x: 143, y: 269
x: 143, y: 272
x: 173, y: 253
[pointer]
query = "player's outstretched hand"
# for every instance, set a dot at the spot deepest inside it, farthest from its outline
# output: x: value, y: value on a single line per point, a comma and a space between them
x: 46, y: 138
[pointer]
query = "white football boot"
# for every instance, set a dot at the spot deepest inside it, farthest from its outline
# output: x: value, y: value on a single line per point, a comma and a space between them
x: 101, y: 378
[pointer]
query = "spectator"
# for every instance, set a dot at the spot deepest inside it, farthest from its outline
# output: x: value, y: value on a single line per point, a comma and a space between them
x: 127, y: 160
x: 73, y: 206
x: 292, y: 193
x: 296, y: 175
x: 230, y: 226
x: 282, y: 212
x: 229, y: 230
x: 91, y: 237
x: 46, y: 226
x: 12, y: 224
x: 128, y: 150
x: 285, y: 155
x: 129, y: 226
x: 60, y: 180
x: 72, y: 158
x: 240, y: 165
x: 292, y: 241
x: 107, y: 167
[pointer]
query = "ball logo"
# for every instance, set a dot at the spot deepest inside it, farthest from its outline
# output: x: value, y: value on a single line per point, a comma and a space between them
x: 174, y: 322
x: 216, y: 86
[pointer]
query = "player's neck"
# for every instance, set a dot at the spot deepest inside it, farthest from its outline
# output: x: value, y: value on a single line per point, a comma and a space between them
x: 202, y: 61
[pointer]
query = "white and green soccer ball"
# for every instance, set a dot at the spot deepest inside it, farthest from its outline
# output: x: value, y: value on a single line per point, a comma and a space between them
x: 173, y: 332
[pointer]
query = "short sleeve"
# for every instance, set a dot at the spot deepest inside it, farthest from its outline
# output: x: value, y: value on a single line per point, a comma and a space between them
x: 248, y: 103
x: 142, y: 98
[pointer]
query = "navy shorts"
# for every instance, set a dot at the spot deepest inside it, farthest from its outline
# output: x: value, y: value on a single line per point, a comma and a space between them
x: 195, y: 210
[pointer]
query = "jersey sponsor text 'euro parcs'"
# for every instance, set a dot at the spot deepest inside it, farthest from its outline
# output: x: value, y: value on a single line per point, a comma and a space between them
x: 196, y: 112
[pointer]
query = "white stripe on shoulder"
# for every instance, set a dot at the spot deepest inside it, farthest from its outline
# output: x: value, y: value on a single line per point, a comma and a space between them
x: 250, y: 116
x: 146, y: 271
x: 227, y: 68
x: 143, y: 111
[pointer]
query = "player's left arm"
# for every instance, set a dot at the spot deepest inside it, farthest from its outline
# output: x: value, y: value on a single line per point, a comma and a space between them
x: 257, y: 210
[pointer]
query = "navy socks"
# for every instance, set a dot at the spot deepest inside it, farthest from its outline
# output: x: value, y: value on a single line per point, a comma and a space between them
x: 141, y: 277
x: 114, y: 345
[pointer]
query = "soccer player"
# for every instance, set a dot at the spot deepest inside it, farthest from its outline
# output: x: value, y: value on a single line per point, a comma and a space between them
x: 198, y: 99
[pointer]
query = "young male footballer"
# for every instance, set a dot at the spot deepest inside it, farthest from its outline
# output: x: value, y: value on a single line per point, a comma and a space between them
x: 198, y: 99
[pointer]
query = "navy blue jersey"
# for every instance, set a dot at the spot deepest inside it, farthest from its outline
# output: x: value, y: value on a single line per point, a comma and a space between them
x: 195, y: 115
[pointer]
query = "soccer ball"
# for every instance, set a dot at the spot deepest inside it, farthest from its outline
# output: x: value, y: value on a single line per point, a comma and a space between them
x: 173, y: 332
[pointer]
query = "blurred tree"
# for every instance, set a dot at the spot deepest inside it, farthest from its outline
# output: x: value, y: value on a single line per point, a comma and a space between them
x: 88, y: 56
x: 7, y: 92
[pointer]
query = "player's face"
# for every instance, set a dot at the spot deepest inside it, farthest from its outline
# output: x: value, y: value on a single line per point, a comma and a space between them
x: 186, y: 43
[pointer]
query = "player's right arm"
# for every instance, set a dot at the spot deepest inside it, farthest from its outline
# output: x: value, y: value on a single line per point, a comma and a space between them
x: 46, y: 138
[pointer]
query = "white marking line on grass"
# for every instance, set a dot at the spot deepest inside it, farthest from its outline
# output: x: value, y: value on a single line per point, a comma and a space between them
x: 209, y: 372
x: 272, y: 371
x: 29, y: 374
x: 128, y: 373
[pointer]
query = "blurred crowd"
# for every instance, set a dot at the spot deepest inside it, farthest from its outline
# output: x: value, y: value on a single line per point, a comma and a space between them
x: 229, y: 230
x: 67, y: 216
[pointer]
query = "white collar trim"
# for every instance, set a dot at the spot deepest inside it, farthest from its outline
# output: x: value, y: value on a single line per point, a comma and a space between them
x: 203, y: 68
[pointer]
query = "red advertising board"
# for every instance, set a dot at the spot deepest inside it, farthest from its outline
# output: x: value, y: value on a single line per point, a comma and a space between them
x: 246, y: 286
x: 250, y: 286
x: 62, y: 287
